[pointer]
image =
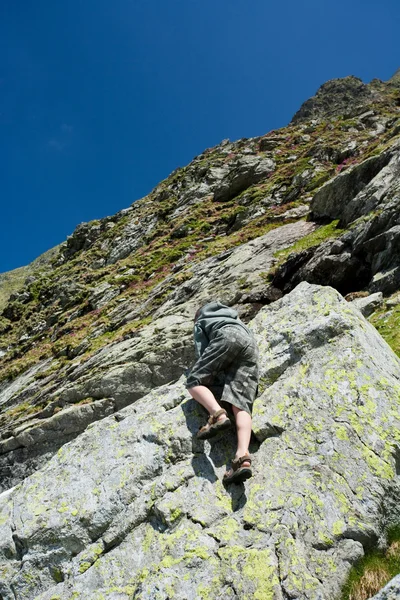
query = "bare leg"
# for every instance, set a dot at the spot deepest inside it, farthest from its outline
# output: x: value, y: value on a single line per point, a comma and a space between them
x: 243, y: 424
x: 206, y: 398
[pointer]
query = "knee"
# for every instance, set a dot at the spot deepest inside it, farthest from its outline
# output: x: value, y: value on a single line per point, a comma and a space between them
x: 241, y: 416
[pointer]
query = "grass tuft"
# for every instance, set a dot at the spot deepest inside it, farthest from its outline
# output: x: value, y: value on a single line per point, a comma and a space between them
x: 387, y: 322
x: 374, y: 570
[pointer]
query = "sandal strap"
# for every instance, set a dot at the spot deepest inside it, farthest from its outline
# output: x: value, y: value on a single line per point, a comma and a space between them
x: 214, y: 418
x: 237, y: 462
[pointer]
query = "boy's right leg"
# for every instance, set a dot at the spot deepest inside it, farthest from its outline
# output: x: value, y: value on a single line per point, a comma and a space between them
x: 218, y: 419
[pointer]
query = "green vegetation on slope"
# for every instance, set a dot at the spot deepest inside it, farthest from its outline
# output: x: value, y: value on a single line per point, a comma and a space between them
x: 323, y: 233
x: 387, y: 322
x: 12, y: 281
x: 374, y: 570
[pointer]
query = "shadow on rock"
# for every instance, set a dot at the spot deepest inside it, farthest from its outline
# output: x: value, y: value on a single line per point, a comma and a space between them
x: 195, y: 417
x: 237, y: 492
x: 203, y: 467
x: 215, y: 453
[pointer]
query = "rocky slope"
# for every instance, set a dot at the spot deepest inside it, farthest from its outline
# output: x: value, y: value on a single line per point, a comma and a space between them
x: 111, y: 320
x: 134, y: 507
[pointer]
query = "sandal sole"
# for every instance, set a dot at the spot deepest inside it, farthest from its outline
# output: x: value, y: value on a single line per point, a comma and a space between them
x: 214, y: 430
x: 239, y: 476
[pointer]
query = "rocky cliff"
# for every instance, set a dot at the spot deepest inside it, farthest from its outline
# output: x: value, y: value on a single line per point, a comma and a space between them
x: 116, y: 509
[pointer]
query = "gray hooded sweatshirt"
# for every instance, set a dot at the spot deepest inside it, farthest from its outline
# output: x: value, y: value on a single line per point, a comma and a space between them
x: 211, y: 318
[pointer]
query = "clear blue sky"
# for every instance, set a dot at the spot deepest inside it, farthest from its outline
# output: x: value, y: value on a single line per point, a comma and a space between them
x: 101, y: 99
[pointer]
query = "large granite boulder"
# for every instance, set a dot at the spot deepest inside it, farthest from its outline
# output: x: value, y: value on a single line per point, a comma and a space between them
x: 122, y: 372
x: 135, y: 508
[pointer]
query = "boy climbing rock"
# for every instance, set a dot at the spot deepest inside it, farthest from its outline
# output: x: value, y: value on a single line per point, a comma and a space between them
x: 226, y: 352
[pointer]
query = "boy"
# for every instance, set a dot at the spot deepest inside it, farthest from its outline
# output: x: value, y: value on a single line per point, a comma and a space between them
x: 225, y: 346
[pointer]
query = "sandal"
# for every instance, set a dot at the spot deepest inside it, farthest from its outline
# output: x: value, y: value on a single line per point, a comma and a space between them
x: 213, y: 426
x: 238, y: 473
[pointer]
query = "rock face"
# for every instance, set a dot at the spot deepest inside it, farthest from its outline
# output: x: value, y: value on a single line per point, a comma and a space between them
x: 134, y: 507
x: 347, y: 97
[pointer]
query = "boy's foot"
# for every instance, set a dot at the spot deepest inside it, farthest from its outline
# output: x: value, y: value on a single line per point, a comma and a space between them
x: 240, y: 470
x: 214, y: 425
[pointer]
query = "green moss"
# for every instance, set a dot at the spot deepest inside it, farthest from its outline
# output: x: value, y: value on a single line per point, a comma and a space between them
x: 258, y: 569
x: 341, y: 433
x: 57, y: 574
x: 11, y: 282
x: 39, y: 288
x: 226, y: 529
x: 175, y: 514
x: 169, y: 561
x: 325, y: 539
x: 24, y: 408
x: 205, y: 592
x: 148, y: 538
x: 315, y: 238
x: 318, y: 180
x: 338, y: 528
x: 377, y: 464
x: 223, y: 499
x: 84, y: 566
x: 254, y: 508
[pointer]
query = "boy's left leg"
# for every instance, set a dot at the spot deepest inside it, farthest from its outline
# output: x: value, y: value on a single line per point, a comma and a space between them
x: 243, y: 425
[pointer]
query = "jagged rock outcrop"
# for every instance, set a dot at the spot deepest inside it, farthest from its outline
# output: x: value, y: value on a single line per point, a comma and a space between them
x: 347, y: 96
x: 134, y: 507
x: 365, y: 200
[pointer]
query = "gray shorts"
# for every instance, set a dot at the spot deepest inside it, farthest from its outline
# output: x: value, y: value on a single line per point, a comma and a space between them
x: 229, y: 368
